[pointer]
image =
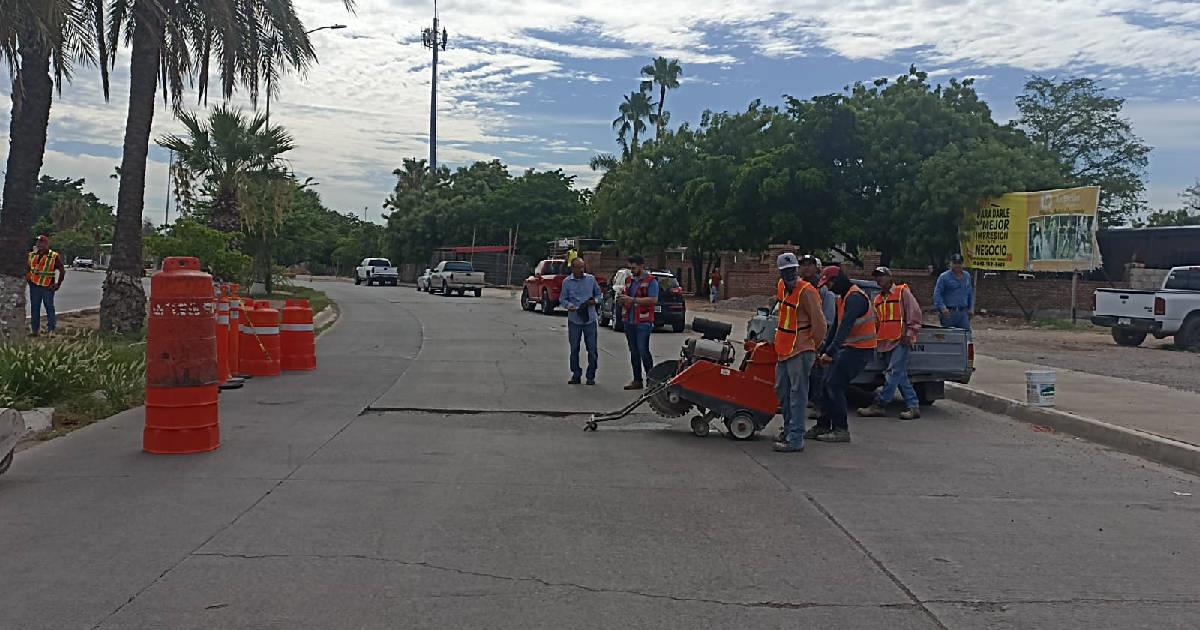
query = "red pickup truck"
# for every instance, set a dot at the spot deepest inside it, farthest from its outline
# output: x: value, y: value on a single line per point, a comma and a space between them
x: 545, y: 285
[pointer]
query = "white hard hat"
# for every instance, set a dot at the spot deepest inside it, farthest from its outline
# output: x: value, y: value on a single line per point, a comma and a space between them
x: 787, y: 260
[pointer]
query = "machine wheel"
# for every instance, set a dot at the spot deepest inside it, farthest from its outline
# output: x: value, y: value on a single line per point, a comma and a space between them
x: 547, y: 308
x: 6, y: 462
x: 590, y: 426
x: 700, y: 426
x: 741, y: 426
x: 526, y: 303
x: 1128, y: 337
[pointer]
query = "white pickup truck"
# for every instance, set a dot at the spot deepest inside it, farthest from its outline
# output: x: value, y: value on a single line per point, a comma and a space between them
x: 456, y: 275
x: 1173, y: 310
x: 376, y: 271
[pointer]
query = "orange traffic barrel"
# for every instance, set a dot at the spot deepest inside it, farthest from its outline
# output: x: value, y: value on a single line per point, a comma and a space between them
x: 181, y: 361
x: 297, y: 341
x: 258, y: 348
x: 222, y: 335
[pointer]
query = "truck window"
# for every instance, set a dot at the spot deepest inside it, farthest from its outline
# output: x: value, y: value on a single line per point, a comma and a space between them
x: 1183, y: 279
x: 457, y: 266
x: 379, y: 262
x: 552, y: 268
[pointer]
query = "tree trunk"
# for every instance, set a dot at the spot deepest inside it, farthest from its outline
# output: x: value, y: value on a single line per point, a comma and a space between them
x: 26, y: 146
x: 123, y: 307
x: 697, y: 257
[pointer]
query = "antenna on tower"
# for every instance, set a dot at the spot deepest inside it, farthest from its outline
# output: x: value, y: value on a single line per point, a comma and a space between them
x: 434, y: 40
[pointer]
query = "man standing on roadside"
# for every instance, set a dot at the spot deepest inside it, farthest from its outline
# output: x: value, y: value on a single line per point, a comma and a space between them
x: 714, y: 285
x: 845, y: 354
x: 954, y: 295
x: 45, y: 276
x: 579, y: 294
x: 800, y: 330
x: 899, y: 321
x: 641, y: 294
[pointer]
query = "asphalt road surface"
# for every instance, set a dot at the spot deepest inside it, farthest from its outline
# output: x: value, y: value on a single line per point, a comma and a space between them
x: 430, y: 474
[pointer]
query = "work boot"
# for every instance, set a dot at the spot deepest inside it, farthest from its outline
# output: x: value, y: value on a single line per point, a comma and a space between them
x: 912, y: 413
x: 591, y: 381
x: 784, y: 447
x: 834, y: 436
x: 574, y: 381
x: 815, y: 433
x: 634, y: 385
x: 874, y: 411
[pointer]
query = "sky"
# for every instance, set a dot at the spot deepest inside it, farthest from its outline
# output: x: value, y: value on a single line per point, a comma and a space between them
x: 536, y: 83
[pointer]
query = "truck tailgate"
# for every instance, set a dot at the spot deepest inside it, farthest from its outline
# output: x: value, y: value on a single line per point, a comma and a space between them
x: 1124, y: 303
x: 940, y: 354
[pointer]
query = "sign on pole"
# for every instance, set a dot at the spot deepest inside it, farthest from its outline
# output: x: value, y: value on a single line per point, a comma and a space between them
x: 1050, y: 230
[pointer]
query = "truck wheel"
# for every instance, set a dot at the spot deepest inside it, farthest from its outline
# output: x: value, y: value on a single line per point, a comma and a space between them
x: 604, y: 321
x: 445, y: 289
x: 526, y: 303
x: 618, y: 324
x: 1189, y: 334
x: 357, y: 280
x: 928, y: 393
x: 6, y: 462
x: 677, y: 327
x: 478, y: 292
x: 547, y: 307
x: 1125, y: 337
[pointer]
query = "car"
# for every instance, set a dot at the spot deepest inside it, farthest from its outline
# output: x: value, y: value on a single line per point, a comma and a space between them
x: 671, y: 309
x: 1172, y: 310
x: 423, y: 280
x: 459, y: 276
x: 376, y: 271
x: 83, y: 263
x: 544, y: 287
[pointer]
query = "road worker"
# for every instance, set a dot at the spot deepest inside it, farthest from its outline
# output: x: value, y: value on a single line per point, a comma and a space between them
x: 954, y: 295
x: 845, y: 353
x: 799, y: 332
x: 45, y: 276
x: 899, y: 321
x: 810, y: 270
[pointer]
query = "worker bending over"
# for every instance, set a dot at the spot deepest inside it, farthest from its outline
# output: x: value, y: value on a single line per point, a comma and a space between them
x: 845, y: 353
x: 899, y: 322
x: 800, y: 330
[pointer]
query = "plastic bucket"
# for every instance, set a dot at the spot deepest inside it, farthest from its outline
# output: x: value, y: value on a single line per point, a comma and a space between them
x: 1039, y: 388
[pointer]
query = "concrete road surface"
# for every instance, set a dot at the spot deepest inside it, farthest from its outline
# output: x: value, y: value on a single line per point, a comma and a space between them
x: 425, y: 476
x: 82, y: 289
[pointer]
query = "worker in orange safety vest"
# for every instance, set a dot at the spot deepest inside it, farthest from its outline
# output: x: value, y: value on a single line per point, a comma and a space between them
x: 798, y: 333
x: 899, y: 322
x: 845, y: 353
x: 45, y: 274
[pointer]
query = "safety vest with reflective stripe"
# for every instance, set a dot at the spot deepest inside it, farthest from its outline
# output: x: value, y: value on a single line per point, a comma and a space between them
x: 890, y: 311
x: 862, y: 334
x: 41, y: 268
x: 789, y: 327
x: 642, y: 313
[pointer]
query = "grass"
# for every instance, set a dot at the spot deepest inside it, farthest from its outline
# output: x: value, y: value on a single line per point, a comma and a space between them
x: 317, y: 300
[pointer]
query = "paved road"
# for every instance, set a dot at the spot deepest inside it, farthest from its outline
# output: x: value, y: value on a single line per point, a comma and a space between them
x: 424, y: 476
x: 82, y: 289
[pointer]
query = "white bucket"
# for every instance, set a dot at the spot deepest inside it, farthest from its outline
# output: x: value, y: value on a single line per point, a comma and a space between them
x: 1039, y: 388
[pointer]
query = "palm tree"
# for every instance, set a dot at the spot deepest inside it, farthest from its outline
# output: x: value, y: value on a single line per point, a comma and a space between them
x: 603, y: 162
x: 40, y: 41
x: 226, y: 152
x: 68, y: 211
x: 174, y: 42
x: 414, y: 176
x: 633, y: 111
x: 665, y: 74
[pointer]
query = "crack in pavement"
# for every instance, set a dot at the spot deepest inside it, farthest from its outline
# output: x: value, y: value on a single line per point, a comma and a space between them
x: 551, y: 584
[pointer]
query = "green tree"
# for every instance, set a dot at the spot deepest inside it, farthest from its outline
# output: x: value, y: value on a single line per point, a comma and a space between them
x: 630, y: 123
x: 174, y: 42
x: 214, y: 248
x: 1074, y: 120
x: 665, y: 74
x: 40, y: 41
x: 1188, y: 214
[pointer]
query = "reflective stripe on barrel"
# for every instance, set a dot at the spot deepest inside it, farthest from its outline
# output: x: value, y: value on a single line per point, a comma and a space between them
x: 296, y: 327
x: 259, y: 330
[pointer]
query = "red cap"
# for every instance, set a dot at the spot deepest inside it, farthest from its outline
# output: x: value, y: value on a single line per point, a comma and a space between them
x: 827, y: 274
x: 42, y: 237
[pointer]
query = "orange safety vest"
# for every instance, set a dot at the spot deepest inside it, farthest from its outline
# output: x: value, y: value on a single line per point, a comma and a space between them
x: 642, y: 313
x: 862, y: 334
x: 890, y: 311
x: 787, y: 330
x: 41, y: 268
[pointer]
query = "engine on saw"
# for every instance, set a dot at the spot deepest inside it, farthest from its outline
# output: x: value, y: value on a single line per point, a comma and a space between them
x: 713, y: 344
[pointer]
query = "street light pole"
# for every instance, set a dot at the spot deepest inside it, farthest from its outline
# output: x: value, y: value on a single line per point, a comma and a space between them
x: 433, y: 39
x: 271, y: 60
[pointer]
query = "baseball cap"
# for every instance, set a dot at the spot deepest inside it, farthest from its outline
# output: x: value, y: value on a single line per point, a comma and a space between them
x: 42, y: 237
x: 828, y: 274
x: 956, y: 258
x: 881, y: 271
x: 636, y: 259
x: 787, y: 260
x: 809, y: 259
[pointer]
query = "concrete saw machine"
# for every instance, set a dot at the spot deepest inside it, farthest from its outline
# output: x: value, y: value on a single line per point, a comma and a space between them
x: 705, y: 379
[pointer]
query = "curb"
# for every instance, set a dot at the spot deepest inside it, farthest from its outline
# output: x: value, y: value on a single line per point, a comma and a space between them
x: 1160, y: 449
x: 91, y: 310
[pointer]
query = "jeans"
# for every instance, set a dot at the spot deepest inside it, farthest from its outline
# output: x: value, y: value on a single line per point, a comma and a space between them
x: 816, y: 385
x: 956, y: 319
x: 846, y: 365
x: 638, y: 337
x: 896, y: 376
x: 588, y: 332
x: 791, y: 387
x: 713, y: 291
x: 39, y: 297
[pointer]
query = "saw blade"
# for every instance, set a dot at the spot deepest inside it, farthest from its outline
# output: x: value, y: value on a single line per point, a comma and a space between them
x: 662, y: 402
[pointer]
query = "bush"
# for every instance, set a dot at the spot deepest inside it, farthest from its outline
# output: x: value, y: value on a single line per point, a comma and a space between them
x: 45, y: 374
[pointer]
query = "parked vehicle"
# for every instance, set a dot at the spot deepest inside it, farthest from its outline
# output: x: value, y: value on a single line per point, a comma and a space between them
x: 83, y: 263
x: 939, y: 355
x: 423, y: 280
x: 544, y: 287
x: 1171, y: 311
x: 376, y: 271
x: 671, y: 309
x: 456, y: 275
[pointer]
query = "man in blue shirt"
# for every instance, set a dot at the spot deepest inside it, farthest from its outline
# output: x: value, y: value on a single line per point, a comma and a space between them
x: 579, y: 294
x: 637, y: 304
x: 954, y: 296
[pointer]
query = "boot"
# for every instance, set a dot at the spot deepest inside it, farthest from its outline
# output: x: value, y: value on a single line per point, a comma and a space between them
x: 912, y: 413
x: 815, y: 433
x: 634, y: 386
x: 874, y: 411
x: 834, y: 436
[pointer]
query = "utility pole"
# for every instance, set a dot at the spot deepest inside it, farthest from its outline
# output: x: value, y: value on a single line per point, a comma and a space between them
x: 433, y: 39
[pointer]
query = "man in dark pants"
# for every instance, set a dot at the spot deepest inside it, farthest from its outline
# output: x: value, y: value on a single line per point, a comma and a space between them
x: 810, y: 270
x: 637, y: 303
x: 844, y: 354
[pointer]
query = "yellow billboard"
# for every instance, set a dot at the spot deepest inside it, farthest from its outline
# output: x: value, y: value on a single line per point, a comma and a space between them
x: 1050, y: 230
